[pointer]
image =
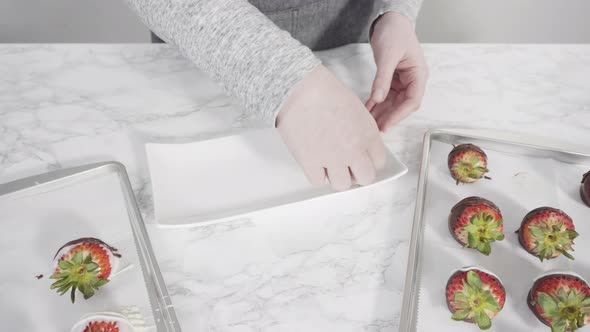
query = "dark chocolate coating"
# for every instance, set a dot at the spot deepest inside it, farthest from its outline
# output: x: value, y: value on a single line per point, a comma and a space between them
x: 89, y: 240
x: 460, y: 207
x: 585, y: 188
x: 530, y: 215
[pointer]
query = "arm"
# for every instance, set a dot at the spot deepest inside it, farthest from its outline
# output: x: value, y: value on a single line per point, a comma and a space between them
x: 323, y: 123
x: 408, y: 8
x: 236, y: 45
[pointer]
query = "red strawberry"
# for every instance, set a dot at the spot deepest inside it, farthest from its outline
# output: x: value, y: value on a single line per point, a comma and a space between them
x: 475, y: 296
x: 101, y: 326
x: 561, y: 301
x: 84, y: 264
x: 103, y: 322
x: 476, y: 222
x: 467, y: 163
x: 546, y: 232
x: 585, y: 188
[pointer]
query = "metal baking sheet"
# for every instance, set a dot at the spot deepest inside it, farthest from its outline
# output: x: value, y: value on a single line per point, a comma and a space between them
x: 42, y: 212
x: 524, y: 177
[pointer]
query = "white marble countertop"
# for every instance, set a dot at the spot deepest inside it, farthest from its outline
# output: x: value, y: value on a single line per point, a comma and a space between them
x: 324, y: 267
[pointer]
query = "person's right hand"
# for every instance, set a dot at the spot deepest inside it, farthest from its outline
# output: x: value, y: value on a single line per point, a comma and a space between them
x: 330, y: 132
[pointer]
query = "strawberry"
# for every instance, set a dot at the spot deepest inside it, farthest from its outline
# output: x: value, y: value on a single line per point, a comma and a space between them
x: 561, y: 301
x: 468, y: 163
x: 475, y: 296
x: 475, y: 223
x: 585, y: 188
x: 546, y: 232
x: 84, y: 264
x: 103, y: 322
x: 101, y: 326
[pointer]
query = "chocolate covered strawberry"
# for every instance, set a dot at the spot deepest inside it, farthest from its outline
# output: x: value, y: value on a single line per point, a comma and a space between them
x: 561, y: 301
x: 85, y: 265
x: 585, y: 188
x: 101, y: 326
x: 467, y: 163
x: 476, y: 222
x: 546, y: 232
x: 475, y: 296
x: 104, y: 322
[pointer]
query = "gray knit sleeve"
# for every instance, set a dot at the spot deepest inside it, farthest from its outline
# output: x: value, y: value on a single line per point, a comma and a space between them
x: 409, y: 8
x: 236, y: 45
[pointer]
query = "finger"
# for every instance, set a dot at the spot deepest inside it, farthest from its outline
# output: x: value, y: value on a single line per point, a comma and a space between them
x: 315, y: 175
x: 370, y: 104
x: 412, y: 98
x: 377, y: 152
x: 362, y: 170
x: 386, y: 65
x: 407, y: 107
x: 339, y: 177
x: 383, y: 107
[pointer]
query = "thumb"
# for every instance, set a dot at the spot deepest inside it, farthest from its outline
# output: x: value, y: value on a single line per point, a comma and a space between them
x: 382, y: 84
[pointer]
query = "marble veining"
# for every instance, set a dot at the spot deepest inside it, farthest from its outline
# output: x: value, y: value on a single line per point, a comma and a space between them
x: 325, y: 266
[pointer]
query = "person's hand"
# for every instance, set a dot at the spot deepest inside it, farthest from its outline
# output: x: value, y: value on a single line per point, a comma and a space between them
x: 401, y: 70
x: 330, y: 133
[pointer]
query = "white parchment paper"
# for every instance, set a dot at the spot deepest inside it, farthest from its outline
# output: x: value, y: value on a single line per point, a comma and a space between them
x: 519, y: 184
x: 35, y: 223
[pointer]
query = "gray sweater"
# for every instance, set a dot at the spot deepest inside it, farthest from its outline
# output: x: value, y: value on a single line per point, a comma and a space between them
x: 238, y: 46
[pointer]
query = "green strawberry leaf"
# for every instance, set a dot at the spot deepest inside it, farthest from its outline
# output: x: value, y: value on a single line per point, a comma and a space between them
x: 565, y: 253
x: 78, y: 258
x: 59, y: 275
x: 101, y: 282
x: 537, y: 231
x: 547, y: 303
x: 471, y: 240
x: 585, y: 302
x: 73, y: 294
x: 559, y: 325
x: 64, y: 265
x: 91, y: 266
x: 572, y: 234
x: 473, y: 280
x: 484, y: 322
x: 561, y: 294
x: 485, y: 248
x: 460, y: 314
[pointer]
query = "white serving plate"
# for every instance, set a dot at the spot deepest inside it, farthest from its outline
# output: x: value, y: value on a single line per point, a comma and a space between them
x: 213, y: 180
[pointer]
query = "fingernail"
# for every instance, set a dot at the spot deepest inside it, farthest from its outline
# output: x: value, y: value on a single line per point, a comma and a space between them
x: 379, y: 95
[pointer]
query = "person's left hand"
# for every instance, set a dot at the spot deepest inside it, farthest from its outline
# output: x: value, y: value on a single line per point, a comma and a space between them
x: 401, y: 70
